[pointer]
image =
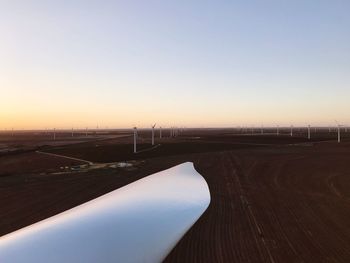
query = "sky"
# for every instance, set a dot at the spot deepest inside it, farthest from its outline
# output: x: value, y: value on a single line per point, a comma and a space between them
x: 192, y: 63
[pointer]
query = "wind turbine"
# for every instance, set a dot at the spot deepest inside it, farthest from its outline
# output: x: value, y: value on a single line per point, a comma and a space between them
x: 153, y: 133
x: 309, y: 132
x: 160, y: 132
x: 339, y: 135
x: 72, y: 132
x: 135, y: 137
x: 291, y: 131
x: 54, y: 134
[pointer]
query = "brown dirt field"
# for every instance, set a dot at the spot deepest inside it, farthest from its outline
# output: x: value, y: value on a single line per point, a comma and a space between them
x: 278, y: 206
x: 28, y: 141
x: 31, y: 162
x: 274, y: 203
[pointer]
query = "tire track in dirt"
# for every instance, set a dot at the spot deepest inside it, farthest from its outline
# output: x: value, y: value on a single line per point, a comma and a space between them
x: 228, y: 231
x: 275, y: 208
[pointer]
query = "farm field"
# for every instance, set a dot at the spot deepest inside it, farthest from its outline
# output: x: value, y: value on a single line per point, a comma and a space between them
x: 273, y: 198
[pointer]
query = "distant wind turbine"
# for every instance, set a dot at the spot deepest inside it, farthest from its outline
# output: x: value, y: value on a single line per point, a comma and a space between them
x: 309, y: 132
x: 135, y: 138
x: 291, y: 131
x: 153, y: 133
x: 339, y: 135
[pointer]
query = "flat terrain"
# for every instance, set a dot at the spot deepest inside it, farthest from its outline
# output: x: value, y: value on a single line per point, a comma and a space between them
x: 281, y: 205
x: 274, y: 198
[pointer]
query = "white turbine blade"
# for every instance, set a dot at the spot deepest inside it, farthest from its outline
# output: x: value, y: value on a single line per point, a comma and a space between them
x: 140, y: 222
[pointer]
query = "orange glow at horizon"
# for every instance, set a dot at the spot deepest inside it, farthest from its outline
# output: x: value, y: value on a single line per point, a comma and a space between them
x: 65, y: 65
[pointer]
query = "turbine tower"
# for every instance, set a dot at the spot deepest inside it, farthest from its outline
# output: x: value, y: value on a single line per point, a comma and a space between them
x: 153, y: 133
x: 160, y: 132
x: 54, y: 134
x: 135, y: 136
x: 309, y: 132
x: 339, y: 134
x: 291, y: 131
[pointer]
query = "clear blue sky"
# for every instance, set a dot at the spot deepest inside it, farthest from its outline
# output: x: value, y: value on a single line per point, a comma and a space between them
x: 188, y: 63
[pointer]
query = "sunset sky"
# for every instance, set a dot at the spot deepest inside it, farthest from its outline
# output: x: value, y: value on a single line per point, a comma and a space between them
x: 187, y: 63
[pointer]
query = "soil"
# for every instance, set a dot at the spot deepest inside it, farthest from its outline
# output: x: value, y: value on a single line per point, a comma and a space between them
x: 273, y: 199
